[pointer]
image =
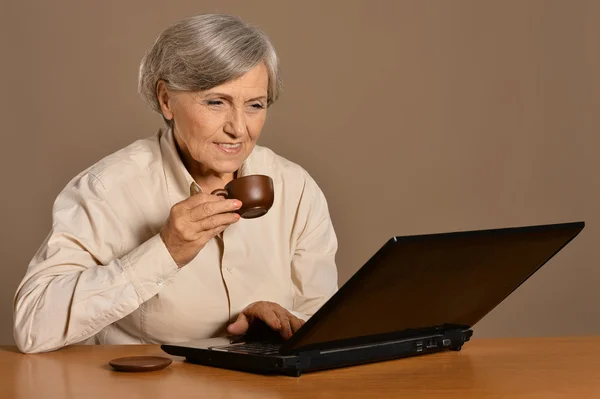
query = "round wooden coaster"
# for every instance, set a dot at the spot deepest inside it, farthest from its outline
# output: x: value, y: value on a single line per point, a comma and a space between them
x: 140, y: 363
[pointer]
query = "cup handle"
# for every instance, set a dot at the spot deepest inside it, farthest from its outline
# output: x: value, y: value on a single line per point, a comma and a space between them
x: 223, y: 193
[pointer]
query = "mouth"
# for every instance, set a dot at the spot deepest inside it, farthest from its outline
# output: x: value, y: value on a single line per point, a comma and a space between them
x: 230, y: 148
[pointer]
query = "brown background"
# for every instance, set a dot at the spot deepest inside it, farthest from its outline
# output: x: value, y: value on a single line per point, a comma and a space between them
x: 413, y: 116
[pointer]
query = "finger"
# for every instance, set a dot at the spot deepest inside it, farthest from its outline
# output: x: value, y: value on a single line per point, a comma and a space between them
x: 295, y: 323
x: 270, y: 318
x: 216, y: 230
x: 240, y: 326
x: 205, y: 236
x: 196, y: 199
x: 216, y: 221
x: 209, y: 208
x: 286, y: 326
x: 208, y: 235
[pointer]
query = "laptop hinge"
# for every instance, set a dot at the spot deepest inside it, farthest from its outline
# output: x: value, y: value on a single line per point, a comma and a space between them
x: 458, y: 337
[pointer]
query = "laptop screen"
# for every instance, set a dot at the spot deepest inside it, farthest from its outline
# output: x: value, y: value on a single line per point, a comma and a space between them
x: 419, y: 282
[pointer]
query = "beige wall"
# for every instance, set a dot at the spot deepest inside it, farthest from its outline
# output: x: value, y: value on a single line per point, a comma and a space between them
x: 413, y: 116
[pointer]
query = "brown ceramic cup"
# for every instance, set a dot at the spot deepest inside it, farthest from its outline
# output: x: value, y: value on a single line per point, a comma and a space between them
x: 255, y: 191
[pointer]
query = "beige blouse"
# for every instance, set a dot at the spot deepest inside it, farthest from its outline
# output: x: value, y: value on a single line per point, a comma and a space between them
x: 103, y: 274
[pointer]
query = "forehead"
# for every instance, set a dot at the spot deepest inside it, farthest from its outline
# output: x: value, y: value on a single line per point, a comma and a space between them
x: 255, y: 81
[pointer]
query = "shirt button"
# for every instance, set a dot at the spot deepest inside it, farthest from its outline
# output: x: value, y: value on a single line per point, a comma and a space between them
x: 160, y: 282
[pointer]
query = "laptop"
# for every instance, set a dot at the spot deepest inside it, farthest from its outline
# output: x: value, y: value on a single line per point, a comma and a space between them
x: 416, y: 295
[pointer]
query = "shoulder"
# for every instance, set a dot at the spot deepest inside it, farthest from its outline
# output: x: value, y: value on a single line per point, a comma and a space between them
x: 140, y: 159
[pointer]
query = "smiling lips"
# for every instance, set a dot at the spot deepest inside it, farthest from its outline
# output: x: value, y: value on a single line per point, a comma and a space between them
x: 230, y: 148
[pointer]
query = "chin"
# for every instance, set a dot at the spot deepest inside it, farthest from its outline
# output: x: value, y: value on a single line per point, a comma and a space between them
x: 227, y: 166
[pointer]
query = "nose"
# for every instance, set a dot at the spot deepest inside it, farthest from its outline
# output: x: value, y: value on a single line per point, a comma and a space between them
x: 236, y: 123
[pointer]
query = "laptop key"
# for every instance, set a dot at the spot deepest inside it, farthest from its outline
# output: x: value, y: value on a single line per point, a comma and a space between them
x: 255, y: 348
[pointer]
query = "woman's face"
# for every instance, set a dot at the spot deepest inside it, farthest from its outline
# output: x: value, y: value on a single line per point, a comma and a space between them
x: 218, y: 128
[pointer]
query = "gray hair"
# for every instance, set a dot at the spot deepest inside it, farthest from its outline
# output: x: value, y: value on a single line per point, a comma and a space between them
x: 205, y: 51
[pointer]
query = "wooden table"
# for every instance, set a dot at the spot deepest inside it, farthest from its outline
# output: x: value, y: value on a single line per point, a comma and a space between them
x: 485, y: 368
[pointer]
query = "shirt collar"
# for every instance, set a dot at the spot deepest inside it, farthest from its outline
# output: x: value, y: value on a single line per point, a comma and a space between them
x: 180, y: 183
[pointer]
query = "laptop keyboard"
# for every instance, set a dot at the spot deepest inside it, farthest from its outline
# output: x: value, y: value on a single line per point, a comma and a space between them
x: 255, y: 348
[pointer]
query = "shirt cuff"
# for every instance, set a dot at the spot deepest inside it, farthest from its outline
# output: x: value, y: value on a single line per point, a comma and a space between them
x: 149, y: 267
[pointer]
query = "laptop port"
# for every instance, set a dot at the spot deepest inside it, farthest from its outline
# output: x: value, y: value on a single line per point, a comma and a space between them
x: 419, y: 346
x: 431, y: 343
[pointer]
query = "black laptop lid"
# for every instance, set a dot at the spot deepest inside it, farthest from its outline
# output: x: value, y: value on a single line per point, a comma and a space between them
x: 419, y: 282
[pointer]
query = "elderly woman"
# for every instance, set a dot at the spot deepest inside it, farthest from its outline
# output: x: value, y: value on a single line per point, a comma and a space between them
x: 141, y: 252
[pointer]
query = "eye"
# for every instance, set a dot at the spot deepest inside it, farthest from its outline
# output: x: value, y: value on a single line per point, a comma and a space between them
x: 214, y: 102
x: 258, y: 106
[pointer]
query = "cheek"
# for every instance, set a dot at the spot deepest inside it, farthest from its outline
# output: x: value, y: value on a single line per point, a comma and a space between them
x: 207, y: 122
x: 255, y: 126
x: 201, y: 128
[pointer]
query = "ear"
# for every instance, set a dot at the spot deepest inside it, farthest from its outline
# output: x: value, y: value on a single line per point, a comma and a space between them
x: 165, y: 99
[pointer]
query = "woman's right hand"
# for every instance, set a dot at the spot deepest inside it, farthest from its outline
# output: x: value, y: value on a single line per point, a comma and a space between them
x: 195, y: 221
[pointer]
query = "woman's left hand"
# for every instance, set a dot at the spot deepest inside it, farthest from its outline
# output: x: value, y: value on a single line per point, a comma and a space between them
x: 274, y: 315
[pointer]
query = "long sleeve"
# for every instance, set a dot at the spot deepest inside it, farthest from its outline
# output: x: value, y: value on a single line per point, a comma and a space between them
x: 314, y: 273
x: 80, y: 280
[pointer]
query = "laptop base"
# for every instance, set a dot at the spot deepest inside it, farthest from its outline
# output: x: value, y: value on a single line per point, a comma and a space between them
x: 211, y: 353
